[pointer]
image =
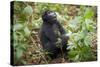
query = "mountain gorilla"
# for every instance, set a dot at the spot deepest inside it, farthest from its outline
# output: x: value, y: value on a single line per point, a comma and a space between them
x: 52, y: 34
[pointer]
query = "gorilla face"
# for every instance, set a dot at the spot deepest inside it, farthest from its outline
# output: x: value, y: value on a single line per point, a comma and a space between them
x: 49, y: 16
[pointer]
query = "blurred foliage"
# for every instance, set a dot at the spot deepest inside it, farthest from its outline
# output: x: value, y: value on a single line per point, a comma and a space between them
x: 79, y: 21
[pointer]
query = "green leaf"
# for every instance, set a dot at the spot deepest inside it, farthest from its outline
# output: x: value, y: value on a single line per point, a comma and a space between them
x: 77, y: 57
x: 28, y: 10
x: 18, y: 26
x: 35, y: 23
x: 90, y: 28
x: 88, y: 13
x: 19, y: 53
x: 27, y: 31
x: 22, y: 46
x: 83, y: 34
x: 72, y: 53
x: 77, y: 37
x: 89, y: 25
x: 87, y: 40
x: 75, y: 23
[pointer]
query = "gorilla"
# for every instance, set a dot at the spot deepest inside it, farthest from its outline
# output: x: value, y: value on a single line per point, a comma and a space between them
x: 52, y: 34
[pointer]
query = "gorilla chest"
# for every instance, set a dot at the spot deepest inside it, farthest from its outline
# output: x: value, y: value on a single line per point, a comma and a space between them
x: 56, y: 29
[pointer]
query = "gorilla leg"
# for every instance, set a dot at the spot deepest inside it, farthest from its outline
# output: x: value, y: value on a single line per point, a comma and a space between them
x: 52, y: 49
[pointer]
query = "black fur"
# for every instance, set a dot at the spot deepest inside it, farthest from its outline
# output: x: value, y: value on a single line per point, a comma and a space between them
x: 50, y: 31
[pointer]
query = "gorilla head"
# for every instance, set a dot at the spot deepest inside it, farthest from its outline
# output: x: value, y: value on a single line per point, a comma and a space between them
x: 49, y: 16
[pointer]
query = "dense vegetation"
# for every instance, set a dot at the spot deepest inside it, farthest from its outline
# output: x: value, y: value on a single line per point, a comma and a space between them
x: 79, y: 21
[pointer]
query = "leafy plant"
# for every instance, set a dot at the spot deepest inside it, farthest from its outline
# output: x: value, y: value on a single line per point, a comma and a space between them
x: 81, y: 39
